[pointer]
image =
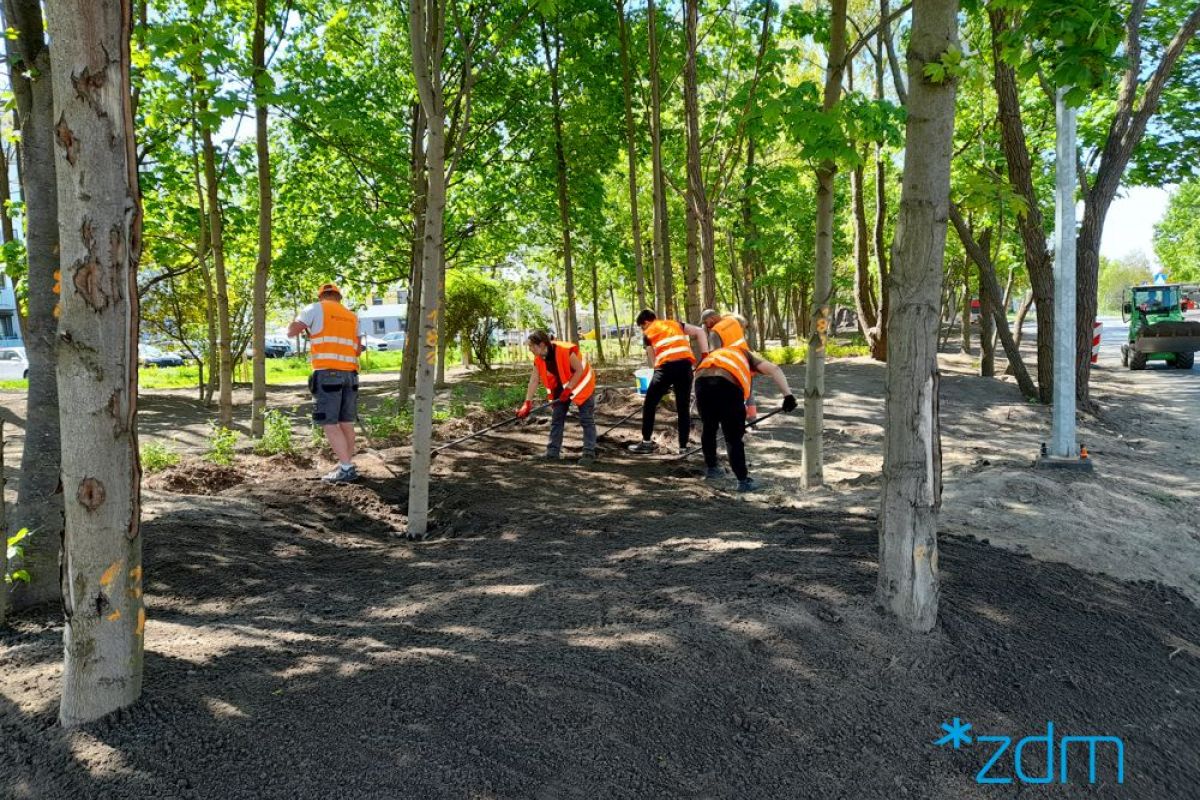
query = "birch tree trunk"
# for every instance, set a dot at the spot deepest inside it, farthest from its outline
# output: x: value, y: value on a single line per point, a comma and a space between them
x: 664, y: 280
x: 814, y: 371
x: 262, y: 268
x: 911, y: 492
x: 39, y: 503
x: 426, y: 24
x: 631, y: 153
x: 100, y: 223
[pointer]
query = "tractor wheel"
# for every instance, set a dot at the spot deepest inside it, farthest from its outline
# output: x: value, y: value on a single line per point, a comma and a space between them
x: 1185, y: 360
x: 1137, y: 360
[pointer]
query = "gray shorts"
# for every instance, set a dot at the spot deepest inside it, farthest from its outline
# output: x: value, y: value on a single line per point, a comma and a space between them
x: 335, y: 396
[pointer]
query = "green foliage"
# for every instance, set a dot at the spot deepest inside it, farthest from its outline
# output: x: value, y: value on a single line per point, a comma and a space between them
x: 15, y: 548
x: 1118, y: 275
x: 387, y: 421
x: 1177, y: 235
x: 157, y: 456
x: 502, y: 398
x: 949, y: 66
x: 277, y: 434
x: 476, y: 307
x: 221, y: 444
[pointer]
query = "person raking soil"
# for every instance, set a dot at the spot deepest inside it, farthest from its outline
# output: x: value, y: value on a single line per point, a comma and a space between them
x: 723, y: 380
x: 568, y: 378
x: 334, y: 348
x: 669, y: 351
x: 729, y: 330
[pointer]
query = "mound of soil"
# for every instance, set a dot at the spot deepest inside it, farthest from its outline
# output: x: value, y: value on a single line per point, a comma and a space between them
x: 193, y: 476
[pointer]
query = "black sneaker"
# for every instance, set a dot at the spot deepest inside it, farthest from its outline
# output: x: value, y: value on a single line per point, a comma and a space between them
x: 587, y: 459
x: 714, y: 474
x: 547, y: 456
x: 643, y: 447
x: 749, y: 485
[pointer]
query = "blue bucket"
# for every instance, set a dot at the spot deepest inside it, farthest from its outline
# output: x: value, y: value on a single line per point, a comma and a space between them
x: 643, y: 377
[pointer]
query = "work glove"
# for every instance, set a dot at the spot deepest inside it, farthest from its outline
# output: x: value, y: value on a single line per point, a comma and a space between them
x: 789, y: 403
x: 524, y: 410
x: 564, y: 398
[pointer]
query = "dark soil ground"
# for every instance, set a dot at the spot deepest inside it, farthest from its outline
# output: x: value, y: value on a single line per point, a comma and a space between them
x: 624, y: 632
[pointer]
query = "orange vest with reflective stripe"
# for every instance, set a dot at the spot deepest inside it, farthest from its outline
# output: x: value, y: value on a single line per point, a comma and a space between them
x: 562, y: 359
x: 733, y: 360
x: 670, y: 342
x: 731, y: 333
x: 336, y: 346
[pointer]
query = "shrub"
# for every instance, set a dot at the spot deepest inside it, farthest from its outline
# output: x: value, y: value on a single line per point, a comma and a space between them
x: 221, y: 443
x: 387, y: 420
x: 277, y: 434
x: 157, y: 456
x: 15, y: 547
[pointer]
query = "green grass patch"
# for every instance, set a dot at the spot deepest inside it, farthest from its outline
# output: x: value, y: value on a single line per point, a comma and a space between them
x: 502, y: 398
x: 19, y: 383
x: 833, y: 349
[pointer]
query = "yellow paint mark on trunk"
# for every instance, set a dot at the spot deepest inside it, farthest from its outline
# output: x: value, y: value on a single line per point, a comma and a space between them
x: 110, y: 573
x: 114, y: 616
x: 135, y: 574
x: 141, y: 623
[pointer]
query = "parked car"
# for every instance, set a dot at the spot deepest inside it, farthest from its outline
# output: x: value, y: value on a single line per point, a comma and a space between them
x: 276, y: 347
x: 14, y: 365
x: 373, y: 342
x: 151, y: 356
x: 391, y: 341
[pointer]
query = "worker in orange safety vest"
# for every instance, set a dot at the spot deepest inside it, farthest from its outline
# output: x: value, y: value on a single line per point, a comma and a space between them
x: 723, y: 380
x: 729, y: 330
x: 669, y: 351
x: 334, y: 347
x: 568, y: 378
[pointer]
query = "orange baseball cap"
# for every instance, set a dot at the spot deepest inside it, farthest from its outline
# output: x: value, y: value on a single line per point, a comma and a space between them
x: 329, y: 287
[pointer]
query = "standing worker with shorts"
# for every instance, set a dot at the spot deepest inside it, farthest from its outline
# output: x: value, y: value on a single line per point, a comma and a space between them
x: 722, y: 388
x: 334, y: 347
x: 669, y: 351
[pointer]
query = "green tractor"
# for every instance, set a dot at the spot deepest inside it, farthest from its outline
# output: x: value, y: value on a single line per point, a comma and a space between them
x: 1157, y: 329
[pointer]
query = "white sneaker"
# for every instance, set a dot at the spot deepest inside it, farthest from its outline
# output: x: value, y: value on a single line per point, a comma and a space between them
x: 340, y: 474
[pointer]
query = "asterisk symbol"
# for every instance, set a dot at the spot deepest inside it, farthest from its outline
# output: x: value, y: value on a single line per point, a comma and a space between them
x: 956, y: 733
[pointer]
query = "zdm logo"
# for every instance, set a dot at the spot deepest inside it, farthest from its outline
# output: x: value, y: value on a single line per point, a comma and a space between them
x: 995, y: 770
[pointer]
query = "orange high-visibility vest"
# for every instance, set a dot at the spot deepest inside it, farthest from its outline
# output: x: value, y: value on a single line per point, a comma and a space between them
x: 562, y: 359
x: 734, y: 361
x: 731, y: 333
x: 336, y: 346
x: 670, y: 342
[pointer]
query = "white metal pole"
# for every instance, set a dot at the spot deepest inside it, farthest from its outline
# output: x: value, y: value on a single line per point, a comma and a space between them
x: 1062, y: 429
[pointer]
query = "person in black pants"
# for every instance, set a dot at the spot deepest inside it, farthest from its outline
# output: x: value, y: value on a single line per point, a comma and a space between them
x: 722, y: 386
x: 669, y: 351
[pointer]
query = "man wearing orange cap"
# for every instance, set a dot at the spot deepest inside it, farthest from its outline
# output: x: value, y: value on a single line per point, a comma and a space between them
x: 334, y: 347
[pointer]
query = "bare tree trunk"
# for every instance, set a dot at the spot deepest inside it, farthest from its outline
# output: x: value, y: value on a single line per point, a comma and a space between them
x: 879, y: 351
x: 100, y: 223
x: 748, y: 251
x: 597, y: 328
x: 814, y: 373
x: 408, y: 367
x: 664, y: 280
x: 560, y: 160
x: 426, y: 25
x: 631, y: 154
x: 910, y: 496
x: 966, y: 310
x: 864, y: 287
x: 202, y: 250
x: 216, y: 234
x: 1019, y: 323
x: 699, y: 254
x: 39, y: 501
x: 988, y: 290
x: 440, y: 373
x: 262, y: 268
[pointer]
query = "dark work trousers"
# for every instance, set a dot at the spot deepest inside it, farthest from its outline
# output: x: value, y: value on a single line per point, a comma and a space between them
x: 676, y: 376
x: 722, y: 406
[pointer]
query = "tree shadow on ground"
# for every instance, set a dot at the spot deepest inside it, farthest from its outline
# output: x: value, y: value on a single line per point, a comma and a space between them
x: 634, y: 639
